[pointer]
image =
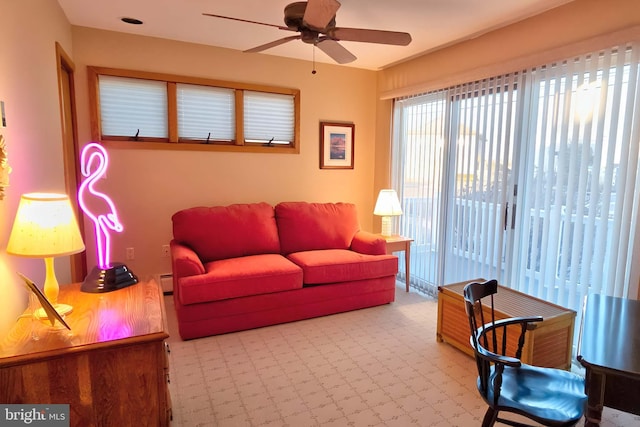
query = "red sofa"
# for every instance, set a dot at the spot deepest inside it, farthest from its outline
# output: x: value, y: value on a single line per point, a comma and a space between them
x: 249, y: 265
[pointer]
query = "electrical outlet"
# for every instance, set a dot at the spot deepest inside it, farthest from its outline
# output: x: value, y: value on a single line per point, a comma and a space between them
x: 165, y: 251
x: 130, y: 254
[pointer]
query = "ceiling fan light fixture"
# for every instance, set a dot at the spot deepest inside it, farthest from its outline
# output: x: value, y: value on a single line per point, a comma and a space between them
x: 315, y: 22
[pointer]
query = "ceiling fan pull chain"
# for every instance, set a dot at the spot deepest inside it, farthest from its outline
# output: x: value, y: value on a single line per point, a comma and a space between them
x: 314, y: 59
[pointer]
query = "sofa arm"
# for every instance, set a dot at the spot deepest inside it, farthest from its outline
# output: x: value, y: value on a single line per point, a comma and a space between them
x: 368, y: 243
x: 184, y: 261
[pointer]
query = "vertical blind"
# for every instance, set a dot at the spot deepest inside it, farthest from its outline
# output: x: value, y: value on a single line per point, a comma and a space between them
x: 483, y: 115
x: 531, y: 178
x: 418, y: 164
x: 580, y: 198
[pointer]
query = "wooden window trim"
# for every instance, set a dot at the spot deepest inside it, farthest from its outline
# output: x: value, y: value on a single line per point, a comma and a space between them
x: 172, y: 120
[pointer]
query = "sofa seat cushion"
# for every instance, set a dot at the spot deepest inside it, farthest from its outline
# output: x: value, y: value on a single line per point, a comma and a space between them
x: 342, y: 265
x: 239, y: 277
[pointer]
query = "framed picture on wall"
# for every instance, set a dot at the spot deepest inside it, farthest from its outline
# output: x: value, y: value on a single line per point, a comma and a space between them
x: 337, y: 145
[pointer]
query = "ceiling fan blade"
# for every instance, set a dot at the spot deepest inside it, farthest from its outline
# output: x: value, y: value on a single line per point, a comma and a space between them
x: 369, y: 36
x: 272, y: 44
x: 336, y: 51
x: 319, y: 13
x: 248, y: 21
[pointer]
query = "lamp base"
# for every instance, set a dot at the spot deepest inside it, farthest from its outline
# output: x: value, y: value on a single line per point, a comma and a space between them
x: 117, y: 276
x: 387, y: 226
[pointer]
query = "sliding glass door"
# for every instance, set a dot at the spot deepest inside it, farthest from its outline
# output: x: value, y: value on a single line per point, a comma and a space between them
x: 420, y: 167
x: 530, y: 178
x: 579, y: 180
x: 454, y: 168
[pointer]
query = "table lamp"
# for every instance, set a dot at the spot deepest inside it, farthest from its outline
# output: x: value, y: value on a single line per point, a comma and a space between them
x: 387, y: 206
x: 46, y: 227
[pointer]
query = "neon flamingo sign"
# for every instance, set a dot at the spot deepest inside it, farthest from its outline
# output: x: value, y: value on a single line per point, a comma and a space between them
x: 102, y: 211
x: 93, y: 163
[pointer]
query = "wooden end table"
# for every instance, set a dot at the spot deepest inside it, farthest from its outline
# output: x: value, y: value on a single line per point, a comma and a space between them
x: 397, y: 243
x: 111, y: 368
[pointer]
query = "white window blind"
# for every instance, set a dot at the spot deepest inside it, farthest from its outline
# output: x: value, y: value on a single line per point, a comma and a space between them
x: 206, y: 113
x: 268, y: 117
x: 130, y: 107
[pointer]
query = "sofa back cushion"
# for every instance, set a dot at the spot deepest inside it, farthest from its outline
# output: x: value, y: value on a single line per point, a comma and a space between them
x: 306, y: 226
x: 222, y: 232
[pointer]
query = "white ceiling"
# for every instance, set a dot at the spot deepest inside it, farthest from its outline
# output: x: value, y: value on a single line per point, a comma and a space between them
x: 431, y: 23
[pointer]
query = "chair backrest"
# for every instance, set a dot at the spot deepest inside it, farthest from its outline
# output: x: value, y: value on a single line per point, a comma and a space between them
x: 473, y: 294
x: 490, y: 336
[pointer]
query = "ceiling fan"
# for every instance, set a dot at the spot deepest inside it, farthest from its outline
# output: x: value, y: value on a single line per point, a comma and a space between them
x: 315, y: 20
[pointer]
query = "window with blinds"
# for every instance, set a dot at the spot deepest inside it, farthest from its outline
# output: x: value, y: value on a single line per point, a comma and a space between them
x: 133, y: 108
x: 532, y: 178
x: 141, y: 107
x: 206, y: 113
x: 268, y: 117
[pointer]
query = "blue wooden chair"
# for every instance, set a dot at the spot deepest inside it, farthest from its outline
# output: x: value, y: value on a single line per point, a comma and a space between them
x: 548, y: 396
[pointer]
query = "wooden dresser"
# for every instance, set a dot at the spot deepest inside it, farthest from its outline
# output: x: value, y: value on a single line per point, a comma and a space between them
x: 111, y: 368
x: 548, y: 343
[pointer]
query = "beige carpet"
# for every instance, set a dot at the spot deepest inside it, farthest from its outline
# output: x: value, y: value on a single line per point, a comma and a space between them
x: 379, y: 366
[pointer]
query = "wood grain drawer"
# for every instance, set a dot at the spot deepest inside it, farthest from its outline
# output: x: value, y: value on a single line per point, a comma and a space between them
x: 111, y: 368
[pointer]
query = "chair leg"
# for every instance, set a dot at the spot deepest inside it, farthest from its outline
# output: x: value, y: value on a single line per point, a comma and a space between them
x: 490, y: 417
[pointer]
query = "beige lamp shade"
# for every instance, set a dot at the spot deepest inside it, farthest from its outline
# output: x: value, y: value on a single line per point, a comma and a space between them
x: 387, y: 206
x: 45, y: 226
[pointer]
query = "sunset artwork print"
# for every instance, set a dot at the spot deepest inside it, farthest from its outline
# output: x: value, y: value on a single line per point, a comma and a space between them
x: 337, y: 151
x: 336, y: 145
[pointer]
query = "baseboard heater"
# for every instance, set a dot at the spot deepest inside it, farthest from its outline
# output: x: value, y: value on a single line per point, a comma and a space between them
x: 166, y: 282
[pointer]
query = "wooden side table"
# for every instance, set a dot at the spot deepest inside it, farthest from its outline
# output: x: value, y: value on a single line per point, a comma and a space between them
x: 111, y: 368
x: 397, y: 243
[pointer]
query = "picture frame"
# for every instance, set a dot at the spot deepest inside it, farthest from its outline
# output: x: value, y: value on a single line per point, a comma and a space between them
x: 337, y: 145
x: 49, y: 309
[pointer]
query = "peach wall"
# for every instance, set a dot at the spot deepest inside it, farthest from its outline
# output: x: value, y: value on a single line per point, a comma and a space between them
x: 29, y: 89
x: 150, y: 185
